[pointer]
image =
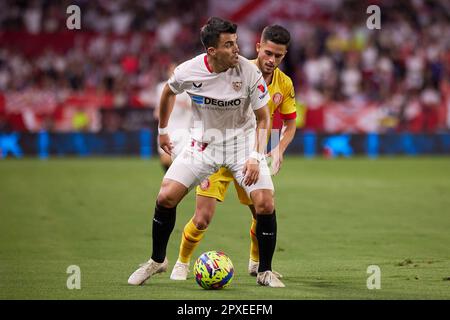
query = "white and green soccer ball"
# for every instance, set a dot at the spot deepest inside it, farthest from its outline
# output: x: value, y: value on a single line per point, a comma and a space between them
x: 213, y: 270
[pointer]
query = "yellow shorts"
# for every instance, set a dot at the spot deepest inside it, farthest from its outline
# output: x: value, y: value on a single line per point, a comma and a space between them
x: 216, y: 185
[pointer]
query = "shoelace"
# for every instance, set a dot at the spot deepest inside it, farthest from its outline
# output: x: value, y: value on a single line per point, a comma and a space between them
x: 148, y: 266
x: 144, y: 264
x: 267, y: 278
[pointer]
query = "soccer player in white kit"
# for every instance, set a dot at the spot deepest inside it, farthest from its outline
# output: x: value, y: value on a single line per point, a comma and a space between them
x: 229, y: 97
x: 179, y: 122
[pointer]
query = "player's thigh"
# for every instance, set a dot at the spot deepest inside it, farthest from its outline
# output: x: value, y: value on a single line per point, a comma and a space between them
x: 242, y: 194
x: 179, y: 144
x: 264, y: 179
x: 189, y: 170
x: 261, y: 193
x: 237, y: 162
x: 216, y: 185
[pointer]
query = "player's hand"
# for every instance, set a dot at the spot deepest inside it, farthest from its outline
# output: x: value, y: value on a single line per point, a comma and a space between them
x: 165, y: 143
x: 251, y: 172
x: 277, y: 160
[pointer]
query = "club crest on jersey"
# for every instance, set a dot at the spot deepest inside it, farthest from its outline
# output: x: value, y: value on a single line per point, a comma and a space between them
x: 277, y: 97
x: 237, y: 85
x: 205, y: 184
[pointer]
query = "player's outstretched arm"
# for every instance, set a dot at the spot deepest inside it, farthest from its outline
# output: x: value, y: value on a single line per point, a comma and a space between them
x: 262, y: 127
x: 165, y: 109
x: 287, y: 134
x: 251, y: 168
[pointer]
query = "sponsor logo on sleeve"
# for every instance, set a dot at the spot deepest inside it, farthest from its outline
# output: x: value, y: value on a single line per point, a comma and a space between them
x: 263, y: 89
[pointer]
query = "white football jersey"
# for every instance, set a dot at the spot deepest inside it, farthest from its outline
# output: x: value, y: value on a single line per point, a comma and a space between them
x: 221, y: 102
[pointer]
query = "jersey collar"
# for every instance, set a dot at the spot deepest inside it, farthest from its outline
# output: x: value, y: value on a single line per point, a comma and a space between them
x: 207, y: 64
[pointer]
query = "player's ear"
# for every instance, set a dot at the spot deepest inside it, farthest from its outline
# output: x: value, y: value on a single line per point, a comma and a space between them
x: 211, y: 51
x: 258, y: 47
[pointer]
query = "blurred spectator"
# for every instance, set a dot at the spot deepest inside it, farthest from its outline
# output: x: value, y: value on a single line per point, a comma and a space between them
x: 351, y: 79
x: 80, y: 120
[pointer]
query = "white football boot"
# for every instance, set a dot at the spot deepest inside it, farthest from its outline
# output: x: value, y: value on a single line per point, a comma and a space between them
x: 146, y: 270
x: 180, y: 271
x: 253, y: 269
x: 268, y: 278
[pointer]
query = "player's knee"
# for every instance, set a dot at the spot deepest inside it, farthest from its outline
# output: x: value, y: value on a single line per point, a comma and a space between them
x: 201, y: 223
x: 171, y: 193
x: 264, y: 205
x: 202, y: 218
x: 265, y: 208
x: 165, y: 199
x: 263, y: 201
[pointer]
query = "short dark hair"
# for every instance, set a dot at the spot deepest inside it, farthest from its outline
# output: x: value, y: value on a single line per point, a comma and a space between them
x: 277, y: 34
x: 210, y: 32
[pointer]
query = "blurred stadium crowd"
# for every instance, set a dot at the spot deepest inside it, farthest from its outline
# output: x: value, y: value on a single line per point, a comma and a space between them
x: 348, y: 78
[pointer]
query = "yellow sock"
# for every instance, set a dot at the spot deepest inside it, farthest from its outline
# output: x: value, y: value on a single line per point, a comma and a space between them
x: 254, y: 249
x: 189, y: 241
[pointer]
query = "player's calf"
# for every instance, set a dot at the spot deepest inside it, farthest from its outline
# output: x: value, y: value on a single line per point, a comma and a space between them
x: 204, y: 211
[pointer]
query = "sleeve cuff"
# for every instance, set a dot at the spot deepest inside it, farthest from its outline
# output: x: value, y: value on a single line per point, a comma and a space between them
x: 173, y: 89
x: 289, y: 116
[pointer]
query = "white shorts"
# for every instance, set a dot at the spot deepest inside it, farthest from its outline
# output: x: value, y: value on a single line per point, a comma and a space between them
x: 198, y: 161
x: 178, y: 142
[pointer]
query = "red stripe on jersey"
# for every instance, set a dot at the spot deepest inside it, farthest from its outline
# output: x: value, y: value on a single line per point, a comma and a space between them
x: 252, y: 233
x: 207, y: 64
x: 289, y: 116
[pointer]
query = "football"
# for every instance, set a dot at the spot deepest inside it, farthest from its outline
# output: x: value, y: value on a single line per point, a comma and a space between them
x: 213, y: 270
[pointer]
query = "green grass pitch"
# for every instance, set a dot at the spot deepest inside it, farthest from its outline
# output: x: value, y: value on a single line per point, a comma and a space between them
x: 335, y: 218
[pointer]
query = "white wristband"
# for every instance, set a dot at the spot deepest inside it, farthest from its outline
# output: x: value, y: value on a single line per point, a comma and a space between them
x: 256, y: 155
x: 162, y: 131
